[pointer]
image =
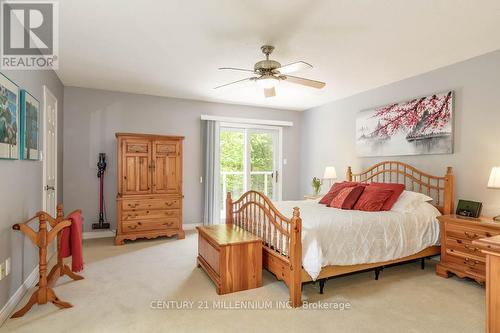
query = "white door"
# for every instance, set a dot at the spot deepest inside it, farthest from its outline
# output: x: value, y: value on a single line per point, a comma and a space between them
x: 50, y: 152
x: 250, y: 159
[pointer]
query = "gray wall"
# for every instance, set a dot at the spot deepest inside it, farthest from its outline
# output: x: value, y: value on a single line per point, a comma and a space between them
x: 328, y: 131
x: 21, y: 188
x: 92, y: 117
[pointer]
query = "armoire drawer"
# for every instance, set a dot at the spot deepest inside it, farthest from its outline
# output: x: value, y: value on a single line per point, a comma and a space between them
x: 148, y: 225
x: 150, y: 214
x: 145, y: 204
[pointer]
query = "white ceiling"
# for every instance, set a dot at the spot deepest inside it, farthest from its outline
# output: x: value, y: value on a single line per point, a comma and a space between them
x: 174, y: 47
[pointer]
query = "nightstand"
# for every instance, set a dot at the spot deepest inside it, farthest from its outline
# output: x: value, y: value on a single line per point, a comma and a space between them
x: 458, y: 255
x: 312, y: 197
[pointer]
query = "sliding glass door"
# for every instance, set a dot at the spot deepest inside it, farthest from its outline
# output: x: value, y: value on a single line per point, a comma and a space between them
x: 249, y: 160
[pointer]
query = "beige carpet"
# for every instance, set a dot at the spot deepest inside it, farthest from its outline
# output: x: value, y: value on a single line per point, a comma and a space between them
x: 121, y: 282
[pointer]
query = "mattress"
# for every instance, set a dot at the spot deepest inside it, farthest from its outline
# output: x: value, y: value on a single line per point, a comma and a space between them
x: 333, y: 236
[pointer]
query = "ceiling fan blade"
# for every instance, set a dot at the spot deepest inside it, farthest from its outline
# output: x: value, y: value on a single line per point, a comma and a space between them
x: 269, y: 92
x: 294, y: 67
x: 305, y: 82
x: 227, y: 84
x: 237, y: 69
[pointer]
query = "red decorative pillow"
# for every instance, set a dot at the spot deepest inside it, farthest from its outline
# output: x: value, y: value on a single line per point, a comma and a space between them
x: 397, y: 190
x: 347, y: 197
x: 334, y: 190
x: 372, y: 199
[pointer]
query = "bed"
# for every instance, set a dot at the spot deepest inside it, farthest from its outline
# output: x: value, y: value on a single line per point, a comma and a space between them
x: 295, y: 251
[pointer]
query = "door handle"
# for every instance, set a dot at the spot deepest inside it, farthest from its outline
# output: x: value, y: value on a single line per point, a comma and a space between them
x: 277, y: 174
x: 48, y: 188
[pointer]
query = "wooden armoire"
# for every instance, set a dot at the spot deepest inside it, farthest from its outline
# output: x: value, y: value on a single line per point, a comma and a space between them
x: 149, y: 199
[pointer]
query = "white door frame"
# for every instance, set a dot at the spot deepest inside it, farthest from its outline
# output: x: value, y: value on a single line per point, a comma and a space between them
x: 47, y: 92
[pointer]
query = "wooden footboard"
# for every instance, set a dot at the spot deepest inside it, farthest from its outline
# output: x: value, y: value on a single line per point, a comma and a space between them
x: 281, y: 237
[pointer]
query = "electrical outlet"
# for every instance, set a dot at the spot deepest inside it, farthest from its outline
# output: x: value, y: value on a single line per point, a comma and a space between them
x: 2, y: 270
x: 7, y: 267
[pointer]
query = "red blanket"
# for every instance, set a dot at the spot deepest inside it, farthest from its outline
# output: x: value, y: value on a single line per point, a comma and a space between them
x: 71, y: 241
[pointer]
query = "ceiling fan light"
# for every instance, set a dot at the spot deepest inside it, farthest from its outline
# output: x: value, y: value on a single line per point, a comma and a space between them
x: 268, y: 81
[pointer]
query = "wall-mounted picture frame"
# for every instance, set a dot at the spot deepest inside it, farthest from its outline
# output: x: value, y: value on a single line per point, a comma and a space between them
x: 9, y: 119
x: 30, y: 127
x: 420, y: 126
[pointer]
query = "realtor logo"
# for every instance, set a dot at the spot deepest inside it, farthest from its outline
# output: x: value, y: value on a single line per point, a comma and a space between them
x: 29, y: 36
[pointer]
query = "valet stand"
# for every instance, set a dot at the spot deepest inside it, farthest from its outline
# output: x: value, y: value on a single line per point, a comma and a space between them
x: 42, y: 239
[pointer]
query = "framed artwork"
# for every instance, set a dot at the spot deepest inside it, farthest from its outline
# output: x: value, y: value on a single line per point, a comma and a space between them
x: 30, y: 127
x: 420, y: 126
x: 9, y: 119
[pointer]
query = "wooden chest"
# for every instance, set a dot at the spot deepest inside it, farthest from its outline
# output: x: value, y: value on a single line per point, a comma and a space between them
x: 231, y: 256
x: 458, y: 254
x: 149, y: 200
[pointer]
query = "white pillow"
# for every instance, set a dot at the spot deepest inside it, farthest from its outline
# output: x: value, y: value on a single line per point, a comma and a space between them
x: 408, y: 201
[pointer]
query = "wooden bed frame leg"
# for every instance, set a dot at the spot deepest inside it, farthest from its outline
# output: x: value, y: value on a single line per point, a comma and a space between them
x: 422, y: 263
x: 377, y: 273
x: 321, y: 285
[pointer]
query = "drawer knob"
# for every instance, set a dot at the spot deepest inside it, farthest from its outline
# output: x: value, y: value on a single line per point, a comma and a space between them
x: 133, y: 227
x: 471, y: 248
x: 471, y: 263
x: 469, y: 235
x: 168, y: 224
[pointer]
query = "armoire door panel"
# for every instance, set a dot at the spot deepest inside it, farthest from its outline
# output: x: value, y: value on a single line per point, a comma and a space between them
x: 136, y: 167
x: 166, y: 174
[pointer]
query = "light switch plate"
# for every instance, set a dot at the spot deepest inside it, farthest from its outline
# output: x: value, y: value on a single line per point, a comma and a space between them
x: 7, y: 266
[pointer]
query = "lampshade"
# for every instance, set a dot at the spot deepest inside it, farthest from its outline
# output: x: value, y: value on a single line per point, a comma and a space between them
x: 494, y: 181
x: 330, y: 173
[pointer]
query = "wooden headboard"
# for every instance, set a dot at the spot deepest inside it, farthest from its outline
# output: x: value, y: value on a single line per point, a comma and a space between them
x: 440, y: 188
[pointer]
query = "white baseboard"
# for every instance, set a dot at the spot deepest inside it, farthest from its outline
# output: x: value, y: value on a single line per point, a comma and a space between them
x: 11, y: 304
x: 112, y: 233
x: 99, y: 234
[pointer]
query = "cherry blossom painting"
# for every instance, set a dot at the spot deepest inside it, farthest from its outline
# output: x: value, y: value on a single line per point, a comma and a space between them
x: 420, y: 126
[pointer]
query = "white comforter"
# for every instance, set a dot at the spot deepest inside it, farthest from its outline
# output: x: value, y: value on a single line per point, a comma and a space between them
x: 347, y: 237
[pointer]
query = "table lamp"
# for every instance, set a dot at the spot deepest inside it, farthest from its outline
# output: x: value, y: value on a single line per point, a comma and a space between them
x: 494, y: 182
x: 331, y: 174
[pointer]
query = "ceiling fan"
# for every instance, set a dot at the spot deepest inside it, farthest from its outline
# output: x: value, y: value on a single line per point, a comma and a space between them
x: 270, y: 73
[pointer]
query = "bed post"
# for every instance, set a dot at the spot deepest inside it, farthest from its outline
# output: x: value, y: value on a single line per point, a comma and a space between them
x: 449, y: 192
x: 295, y: 285
x: 348, y: 175
x: 229, y: 209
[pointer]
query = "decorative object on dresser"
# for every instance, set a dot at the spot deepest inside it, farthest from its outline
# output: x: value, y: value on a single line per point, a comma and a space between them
x: 330, y: 174
x: 316, y: 185
x: 458, y: 255
x: 491, y: 248
x: 231, y: 256
x: 423, y: 125
x: 494, y: 182
x: 149, y: 199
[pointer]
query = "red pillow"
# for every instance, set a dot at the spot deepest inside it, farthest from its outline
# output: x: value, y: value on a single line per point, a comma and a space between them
x: 372, y: 199
x: 347, y: 197
x: 334, y: 190
x: 397, y: 190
